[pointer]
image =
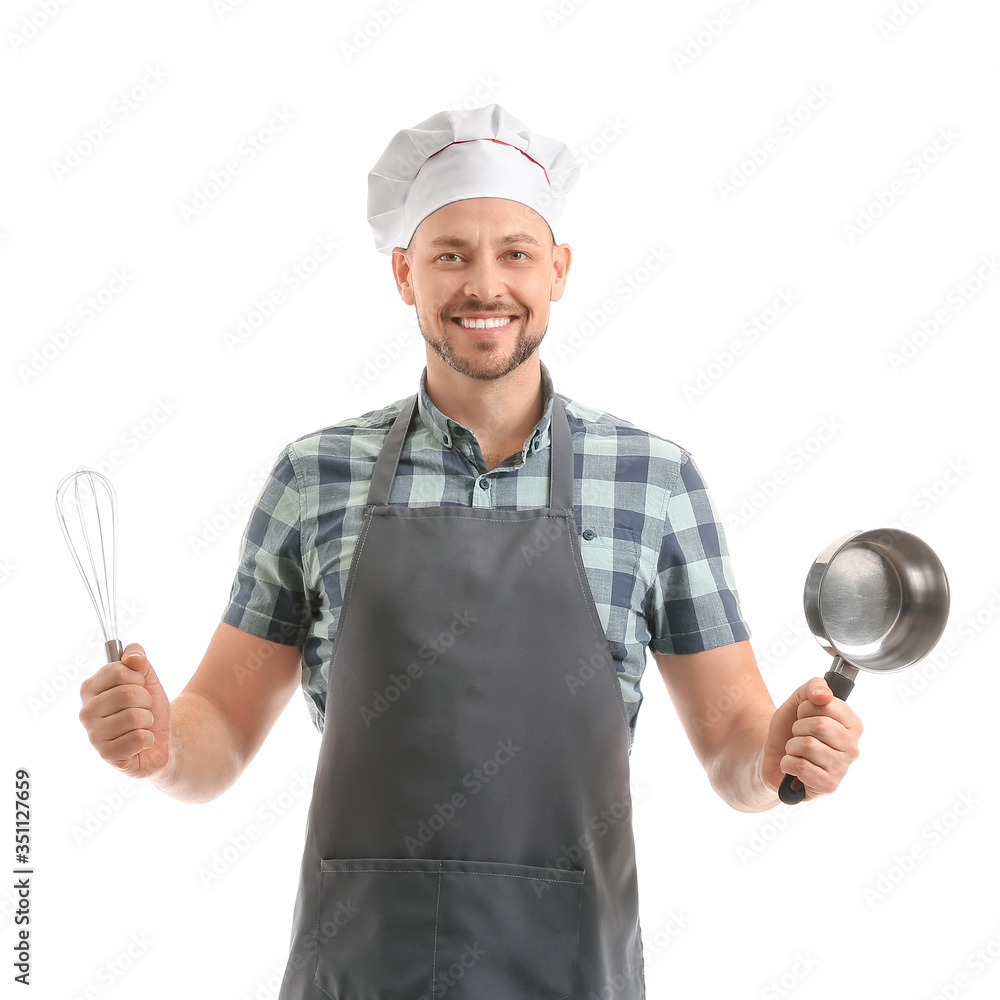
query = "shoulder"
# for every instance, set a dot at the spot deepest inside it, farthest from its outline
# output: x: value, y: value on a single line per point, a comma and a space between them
x: 349, y: 436
x: 598, y: 433
x: 341, y: 451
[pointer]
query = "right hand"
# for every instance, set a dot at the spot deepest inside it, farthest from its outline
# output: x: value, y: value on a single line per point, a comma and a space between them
x: 127, y: 714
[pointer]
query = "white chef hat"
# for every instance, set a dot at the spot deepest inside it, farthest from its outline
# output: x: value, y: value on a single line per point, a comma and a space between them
x: 479, y: 153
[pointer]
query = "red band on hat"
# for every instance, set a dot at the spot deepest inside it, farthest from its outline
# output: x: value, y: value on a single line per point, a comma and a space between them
x: 500, y: 142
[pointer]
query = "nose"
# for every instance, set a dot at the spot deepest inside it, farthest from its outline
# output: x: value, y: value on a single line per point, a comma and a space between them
x: 484, y: 280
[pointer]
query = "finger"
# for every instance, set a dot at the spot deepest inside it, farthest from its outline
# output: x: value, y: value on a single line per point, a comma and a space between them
x: 129, y: 720
x: 828, y: 731
x: 122, y: 696
x: 109, y: 676
x: 815, y: 751
x: 817, y: 780
x: 835, y: 709
x: 123, y: 749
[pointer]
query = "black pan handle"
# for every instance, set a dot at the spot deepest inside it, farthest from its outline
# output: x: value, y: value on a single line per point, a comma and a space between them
x: 792, y: 791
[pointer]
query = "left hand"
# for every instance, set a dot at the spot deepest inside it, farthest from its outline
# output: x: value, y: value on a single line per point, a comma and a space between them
x: 814, y: 736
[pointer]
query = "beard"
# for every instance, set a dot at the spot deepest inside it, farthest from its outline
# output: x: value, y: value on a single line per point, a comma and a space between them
x: 484, y: 359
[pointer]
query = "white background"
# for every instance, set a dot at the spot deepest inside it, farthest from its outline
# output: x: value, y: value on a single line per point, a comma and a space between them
x: 811, y: 431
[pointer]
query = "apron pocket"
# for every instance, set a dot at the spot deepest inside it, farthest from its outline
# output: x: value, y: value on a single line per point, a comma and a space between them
x: 422, y: 928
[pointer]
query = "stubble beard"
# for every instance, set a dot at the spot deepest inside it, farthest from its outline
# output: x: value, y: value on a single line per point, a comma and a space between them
x: 489, y: 360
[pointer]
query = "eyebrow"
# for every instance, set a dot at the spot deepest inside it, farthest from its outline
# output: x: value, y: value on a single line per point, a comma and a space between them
x: 456, y: 241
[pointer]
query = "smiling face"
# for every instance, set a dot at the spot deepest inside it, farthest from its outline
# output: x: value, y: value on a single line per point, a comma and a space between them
x: 481, y: 273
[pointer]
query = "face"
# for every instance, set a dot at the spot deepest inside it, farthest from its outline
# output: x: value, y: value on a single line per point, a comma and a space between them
x: 482, y: 259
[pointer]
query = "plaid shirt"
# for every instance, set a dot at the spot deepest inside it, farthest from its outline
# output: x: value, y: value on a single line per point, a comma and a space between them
x: 652, y: 543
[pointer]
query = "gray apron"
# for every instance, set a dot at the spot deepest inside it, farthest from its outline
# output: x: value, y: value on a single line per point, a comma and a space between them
x: 470, y: 830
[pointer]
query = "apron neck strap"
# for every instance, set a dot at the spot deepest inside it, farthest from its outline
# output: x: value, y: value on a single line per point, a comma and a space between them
x: 561, y: 464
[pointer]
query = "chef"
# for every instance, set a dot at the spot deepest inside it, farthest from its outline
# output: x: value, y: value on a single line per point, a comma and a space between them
x: 464, y: 582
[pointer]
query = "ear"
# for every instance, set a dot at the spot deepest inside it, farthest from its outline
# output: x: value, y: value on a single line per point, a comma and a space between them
x: 561, y: 257
x: 401, y: 272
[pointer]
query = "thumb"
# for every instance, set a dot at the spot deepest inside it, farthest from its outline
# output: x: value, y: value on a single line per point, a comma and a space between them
x: 815, y: 690
x: 134, y: 656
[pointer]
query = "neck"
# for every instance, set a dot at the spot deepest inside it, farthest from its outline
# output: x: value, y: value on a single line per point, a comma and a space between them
x: 501, y: 412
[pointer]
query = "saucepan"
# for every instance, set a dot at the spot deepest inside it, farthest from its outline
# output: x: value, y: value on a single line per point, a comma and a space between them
x: 875, y: 600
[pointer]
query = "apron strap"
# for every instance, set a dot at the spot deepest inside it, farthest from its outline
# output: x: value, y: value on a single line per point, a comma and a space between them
x: 561, y: 465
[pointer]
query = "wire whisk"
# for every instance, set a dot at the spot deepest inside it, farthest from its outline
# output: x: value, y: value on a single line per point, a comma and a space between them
x: 88, y: 515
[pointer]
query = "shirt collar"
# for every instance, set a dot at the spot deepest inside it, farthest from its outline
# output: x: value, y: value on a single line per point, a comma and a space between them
x: 445, y: 429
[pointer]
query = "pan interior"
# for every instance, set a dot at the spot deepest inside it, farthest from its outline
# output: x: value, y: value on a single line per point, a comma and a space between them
x: 860, y: 601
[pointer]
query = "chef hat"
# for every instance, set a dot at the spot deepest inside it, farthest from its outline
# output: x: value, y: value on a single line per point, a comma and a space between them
x: 479, y: 153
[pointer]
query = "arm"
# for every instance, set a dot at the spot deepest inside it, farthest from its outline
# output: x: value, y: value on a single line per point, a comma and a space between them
x: 726, y: 711
x: 221, y: 718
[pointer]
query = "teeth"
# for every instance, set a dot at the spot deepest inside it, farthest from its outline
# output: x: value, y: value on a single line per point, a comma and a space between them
x: 484, y: 324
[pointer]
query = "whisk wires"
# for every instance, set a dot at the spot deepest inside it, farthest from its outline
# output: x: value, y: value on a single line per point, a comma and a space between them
x: 96, y: 538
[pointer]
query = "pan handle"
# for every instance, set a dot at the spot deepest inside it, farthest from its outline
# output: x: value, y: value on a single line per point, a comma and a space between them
x: 792, y: 791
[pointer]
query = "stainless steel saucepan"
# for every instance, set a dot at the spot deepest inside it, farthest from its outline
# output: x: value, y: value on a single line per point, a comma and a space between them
x: 875, y: 600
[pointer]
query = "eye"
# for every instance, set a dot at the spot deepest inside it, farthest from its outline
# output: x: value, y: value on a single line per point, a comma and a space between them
x: 521, y: 252
x: 447, y: 255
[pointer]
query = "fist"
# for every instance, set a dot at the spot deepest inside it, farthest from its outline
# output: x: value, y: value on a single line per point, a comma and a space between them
x: 814, y: 736
x: 127, y: 714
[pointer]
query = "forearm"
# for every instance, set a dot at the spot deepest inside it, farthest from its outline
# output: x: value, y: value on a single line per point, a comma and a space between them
x: 204, y: 761
x: 735, y: 772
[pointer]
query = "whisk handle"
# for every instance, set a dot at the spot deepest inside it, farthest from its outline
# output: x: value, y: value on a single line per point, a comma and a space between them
x: 113, y: 649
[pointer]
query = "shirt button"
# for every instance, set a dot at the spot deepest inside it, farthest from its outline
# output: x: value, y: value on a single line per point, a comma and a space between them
x: 447, y: 440
x: 484, y: 484
x: 589, y: 533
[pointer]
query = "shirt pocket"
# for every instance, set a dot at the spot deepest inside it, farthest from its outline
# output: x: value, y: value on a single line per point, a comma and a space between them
x: 419, y: 928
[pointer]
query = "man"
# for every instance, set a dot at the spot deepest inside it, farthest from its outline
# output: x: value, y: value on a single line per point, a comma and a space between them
x: 464, y: 582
